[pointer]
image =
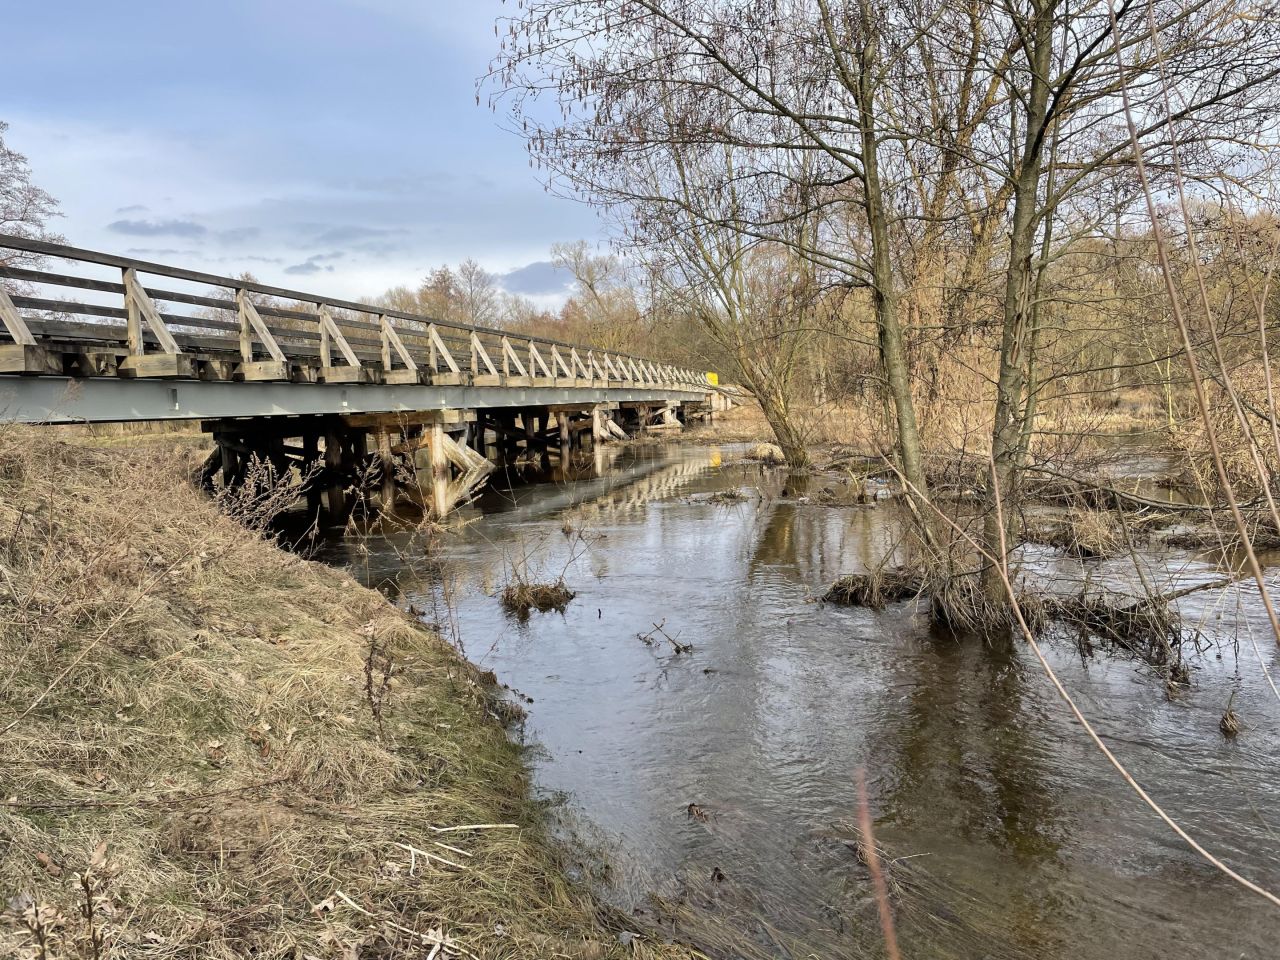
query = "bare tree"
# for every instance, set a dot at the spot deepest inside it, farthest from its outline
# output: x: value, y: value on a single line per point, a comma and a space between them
x: 831, y: 110
x: 605, y: 308
x: 25, y: 209
x: 477, y: 294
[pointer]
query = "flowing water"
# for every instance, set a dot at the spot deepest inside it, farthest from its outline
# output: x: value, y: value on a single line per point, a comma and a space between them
x: 1007, y: 832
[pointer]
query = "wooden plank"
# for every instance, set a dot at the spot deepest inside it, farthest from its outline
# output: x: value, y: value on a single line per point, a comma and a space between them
x: 263, y: 370
x: 215, y: 370
x: 440, y: 477
x: 402, y: 375
x: 28, y: 358
x: 447, y: 416
x: 438, y: 349
x: 157, y: 366
x: 597, y: 372
x: 343, y: 374
x: 558, y: 364
x: 536, y: 362
x: 479, y: 354
x: 94, y: 363
x: 61, y: 280
x: 510, y: 358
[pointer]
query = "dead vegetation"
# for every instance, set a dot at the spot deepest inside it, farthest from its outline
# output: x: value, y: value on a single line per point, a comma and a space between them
x: 212, y: 748
x: 659, y: 634
x: 1084, y: 532
x: 875, y: 589
x: 521, y: 598
x: 1230, y: 723
x: 731, y: 496
x: 767, y: 453
x: 1148, y: 628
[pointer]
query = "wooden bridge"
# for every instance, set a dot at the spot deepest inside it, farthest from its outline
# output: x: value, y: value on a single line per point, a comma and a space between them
x: 343, y: 395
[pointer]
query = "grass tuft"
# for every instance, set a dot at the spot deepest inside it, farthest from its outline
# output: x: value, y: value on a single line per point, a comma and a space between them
x: 520, y: 598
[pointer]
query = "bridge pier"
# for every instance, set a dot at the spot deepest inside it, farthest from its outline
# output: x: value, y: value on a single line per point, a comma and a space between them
x: 435, y: 458
x: 425, y: 456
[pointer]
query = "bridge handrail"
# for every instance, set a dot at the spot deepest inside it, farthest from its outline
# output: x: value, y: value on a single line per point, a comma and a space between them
x: 450, y: 331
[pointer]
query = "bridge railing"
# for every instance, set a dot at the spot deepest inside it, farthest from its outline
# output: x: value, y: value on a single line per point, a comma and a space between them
x: 162, y: 321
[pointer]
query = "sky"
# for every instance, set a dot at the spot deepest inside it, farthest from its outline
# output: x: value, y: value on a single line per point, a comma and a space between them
x: 331, y: 146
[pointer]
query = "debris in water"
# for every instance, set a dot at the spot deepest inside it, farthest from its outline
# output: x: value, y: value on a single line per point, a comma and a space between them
x: 648, y: 639
x: 519, y: 597
x: 1230, y: 723
x: 876, y: 588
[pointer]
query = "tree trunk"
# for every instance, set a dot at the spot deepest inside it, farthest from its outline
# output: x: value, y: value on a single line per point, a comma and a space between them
x: 1019, y: 299
x: 785, y: 432
x: 893, y: 351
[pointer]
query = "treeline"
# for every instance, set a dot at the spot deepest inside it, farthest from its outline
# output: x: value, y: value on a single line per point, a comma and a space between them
x: 607, y: 303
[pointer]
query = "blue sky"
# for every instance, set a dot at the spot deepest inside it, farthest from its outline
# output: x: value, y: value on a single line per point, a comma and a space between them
x: 328, y: 145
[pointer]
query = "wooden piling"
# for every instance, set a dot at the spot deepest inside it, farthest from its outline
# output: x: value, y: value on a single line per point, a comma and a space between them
x: 334, y: 461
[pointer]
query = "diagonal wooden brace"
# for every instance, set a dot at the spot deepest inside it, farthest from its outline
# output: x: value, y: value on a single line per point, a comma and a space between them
x: 138, y: 307
x: 13, y: 321
x: 329, y: 332
x: 439, y: 349
x: 391, y: 339
x: 251, y: 323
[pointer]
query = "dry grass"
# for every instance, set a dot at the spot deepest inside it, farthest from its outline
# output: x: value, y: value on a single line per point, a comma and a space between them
x: 521, y: 598
x: 1085, y: 532
x: 211, y: 748
x: 875, y: 589
x: 768, y: 453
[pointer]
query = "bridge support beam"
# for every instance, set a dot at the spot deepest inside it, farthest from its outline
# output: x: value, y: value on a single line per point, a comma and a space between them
x: 436, y: 459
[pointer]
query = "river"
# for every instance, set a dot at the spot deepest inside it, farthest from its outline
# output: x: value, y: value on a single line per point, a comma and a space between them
x: 1007, y: 832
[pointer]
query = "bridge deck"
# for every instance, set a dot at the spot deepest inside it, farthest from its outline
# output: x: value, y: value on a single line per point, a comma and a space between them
x: 122, y: 339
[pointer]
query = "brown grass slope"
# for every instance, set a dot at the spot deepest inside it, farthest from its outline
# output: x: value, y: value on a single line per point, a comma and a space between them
x: 257, y: 740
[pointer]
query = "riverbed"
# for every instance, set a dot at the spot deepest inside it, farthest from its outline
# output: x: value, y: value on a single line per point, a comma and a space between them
x: 716, y: 786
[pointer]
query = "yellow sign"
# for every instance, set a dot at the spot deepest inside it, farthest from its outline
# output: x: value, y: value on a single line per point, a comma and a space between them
x: 713, y: 379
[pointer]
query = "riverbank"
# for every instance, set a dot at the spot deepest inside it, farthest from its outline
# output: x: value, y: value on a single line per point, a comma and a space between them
x: 210, y: 747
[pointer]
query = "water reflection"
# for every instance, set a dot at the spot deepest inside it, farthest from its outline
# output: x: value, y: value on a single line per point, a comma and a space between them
x: 1011, y: 836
